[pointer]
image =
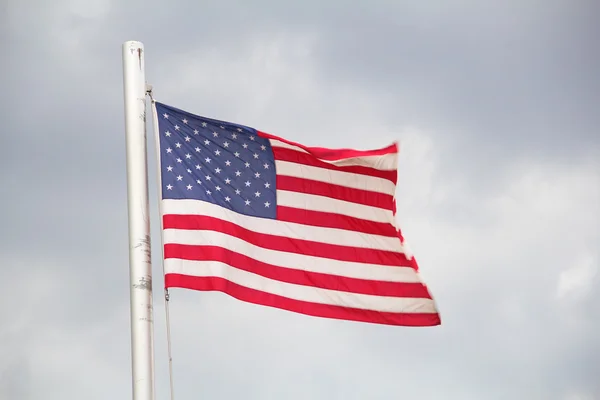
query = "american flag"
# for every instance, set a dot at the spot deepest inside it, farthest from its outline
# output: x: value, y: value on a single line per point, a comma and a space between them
x: 276, y: 223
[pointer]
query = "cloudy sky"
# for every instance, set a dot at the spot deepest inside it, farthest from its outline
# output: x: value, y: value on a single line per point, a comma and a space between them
x: 496, y: 107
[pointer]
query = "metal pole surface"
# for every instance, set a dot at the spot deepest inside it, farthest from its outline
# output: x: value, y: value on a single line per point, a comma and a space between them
x: 140, y: 265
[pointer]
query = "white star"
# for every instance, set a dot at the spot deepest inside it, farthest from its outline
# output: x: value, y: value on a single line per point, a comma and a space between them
x: 228, y: 163
x: 184, y: 121
x: 169, y: 168
x: 239, y: 129
x: 204, y: 124
x: 196, y: 131
x: 208, y: 192
x: 218, y: 170
x: 247, y: 164
x: 169, y: 187
x: 257, y: 175
x: 187, y: 139
x: 247, y: 202
x: 189, y: 170
x: 237, y: 154
x: 267, y: 185
x: 168, y: 134
x: 233, y: 136
x: 226, y: 144
x: 218, y: 188
x: 217, y: 152
x: 257, y: 194
x: 255, y: 156
x: 207, y: 160
x: 207, y: 142
x: 266, y: 166
x: 189, y: 187
x: 178, y: 145
x: 227, y: 198
x: 251, y: 137
x: 208, y: 178
x: 237, y: 191
x: 247, y: 183
x: 238, y: 173
x: 215, y: 134
x: 228, y: 181
x: 169, y: 150
x: 179, y: 160
x: 188, y: 156
x: 179, y: 177
x: 166, y: 115
x: 267, y: 204
x: 263, y: 147
x: 221, y: 126
x: 198, y: 166
x: 197, y: 149
x: 176, y: 127
x: 245, y: 145
x: 199, y: 181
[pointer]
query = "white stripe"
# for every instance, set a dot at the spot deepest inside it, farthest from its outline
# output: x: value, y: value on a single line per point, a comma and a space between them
x: 314, y: 202
x: 279, y: 143
x: 384, y: 162
x: 347, y: 179
x: 300, y: 292
x: 286, y: 229
x: 285, y: 259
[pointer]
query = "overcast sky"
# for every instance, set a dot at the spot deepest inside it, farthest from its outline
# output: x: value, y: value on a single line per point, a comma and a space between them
x: 496, y: 105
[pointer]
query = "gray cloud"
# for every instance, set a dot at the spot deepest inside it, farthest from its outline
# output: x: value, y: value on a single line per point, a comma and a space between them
x: 499, y: 193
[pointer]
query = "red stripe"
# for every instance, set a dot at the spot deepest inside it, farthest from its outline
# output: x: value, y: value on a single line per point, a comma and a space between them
x: 303, y: 307
x: 365, y: 197
x: 280, y: 243
x: 296, y: 276
x: 334, y: 154
x: 336, y: 221
x: 283, y: 154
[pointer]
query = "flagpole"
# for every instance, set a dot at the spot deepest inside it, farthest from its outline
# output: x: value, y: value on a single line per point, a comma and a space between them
x: 140, y: 266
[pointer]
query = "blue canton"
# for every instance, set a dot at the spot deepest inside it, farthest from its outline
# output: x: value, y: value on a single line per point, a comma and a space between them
x: 216, y: 161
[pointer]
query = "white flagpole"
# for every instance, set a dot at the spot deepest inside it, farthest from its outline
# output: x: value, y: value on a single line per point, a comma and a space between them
x: 140, y: 266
